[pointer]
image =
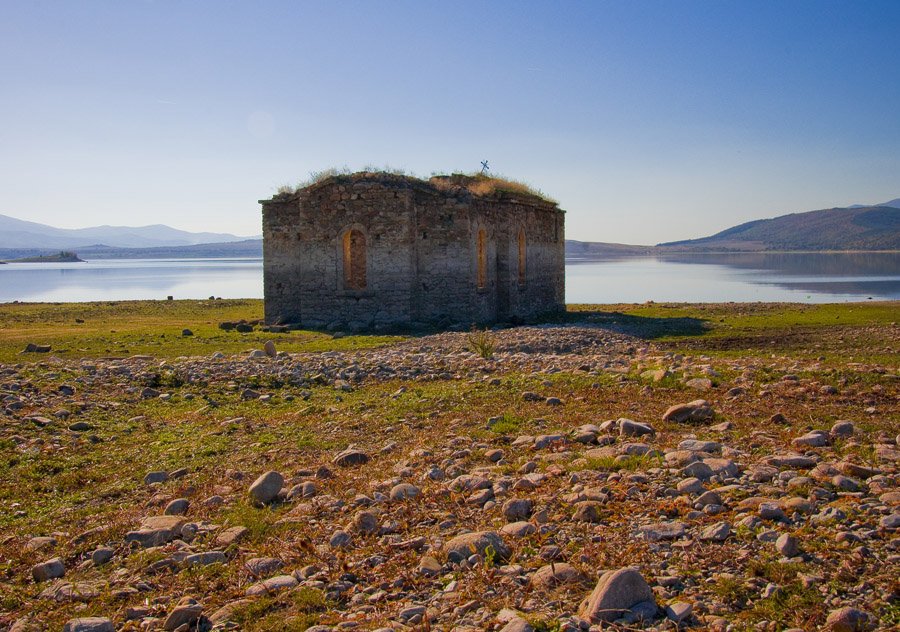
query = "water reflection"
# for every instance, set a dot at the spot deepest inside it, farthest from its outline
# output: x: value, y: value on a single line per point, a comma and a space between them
x: 131, y: 279
x: 739, y: 277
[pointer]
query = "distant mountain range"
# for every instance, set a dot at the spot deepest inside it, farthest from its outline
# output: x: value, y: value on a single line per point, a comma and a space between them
x: 893, y: 203
x: 855, y: 228
x: 20, y: 234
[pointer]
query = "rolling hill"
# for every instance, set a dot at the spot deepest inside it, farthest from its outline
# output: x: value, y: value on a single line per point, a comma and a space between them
x: 861, y: 228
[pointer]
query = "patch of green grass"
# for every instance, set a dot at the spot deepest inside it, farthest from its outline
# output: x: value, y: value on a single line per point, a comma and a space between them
x: 742, y: 329
x: 730, y: 590
x: 293, y: 611
x: 635, y: 462
x: 791, y: 606
x: 259, y: 520
x: 154, y: 328
x: 481, y: 342
x: 507, y: 424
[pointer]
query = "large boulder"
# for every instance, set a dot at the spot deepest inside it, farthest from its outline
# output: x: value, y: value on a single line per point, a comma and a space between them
x: 156, y: 531
x: 616, y: 592
x: 265, y: 489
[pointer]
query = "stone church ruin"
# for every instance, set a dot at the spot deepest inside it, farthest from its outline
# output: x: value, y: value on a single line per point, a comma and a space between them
x: 371, y: 250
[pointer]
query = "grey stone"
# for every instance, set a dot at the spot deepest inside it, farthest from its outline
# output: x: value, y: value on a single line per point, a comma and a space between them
x: 845, y: 483
x: 206, y: 558
x: 793, y: 461
x: 479, y: 543
x: 553, y: 575
x: 891, y: 522
x: 697, y: 410
x: 587, y: 511
x: 842, y: 429
x: 40, y: 543
x: 787, y: 545
x: 770, y: 511
x: 847, y: 620
x: 641, y: 612
x: 64, y: 592
x: 663, y: 531
x: 182, y: 614
x: 690, y: 486
x: 709, y: 498
x: 303, y: 490
x: 516, y: 509
x: 699, y: 383
x: 261, y: 566
x: 404, y: 491
x: 231, y: 535
x: 351, y: 457
x: 679, y: 611
x: 365, y: 522
x: 226, y: 612
x: 694, y: 445
x: 429, y: 566
x: 340, y: 540
x: 102, y: 555
x: 177, y: 507
x: 718, y: 532
x: 271, y: 586
x: 89, y: 624
x: 156, y: 531
x: 469, y: 483
x: 51, y: 569
x: 518, y: 529
x: 814, y: 439
x: 517, y: 624
x: 412, y: 612
x: 629, y: 428
x: 699, y: 470
x: 155, y: 477
x: 24, y: 624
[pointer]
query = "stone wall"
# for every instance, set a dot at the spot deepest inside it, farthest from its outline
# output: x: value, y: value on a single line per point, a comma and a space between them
x: 420, y: 250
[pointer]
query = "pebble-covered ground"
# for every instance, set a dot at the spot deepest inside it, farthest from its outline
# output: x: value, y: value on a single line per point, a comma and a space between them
x: 577, y: 479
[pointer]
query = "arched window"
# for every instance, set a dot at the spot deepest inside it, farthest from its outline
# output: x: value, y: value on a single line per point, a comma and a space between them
x: 482, y: 259
x: 354, y: 247
x: 521, y: 256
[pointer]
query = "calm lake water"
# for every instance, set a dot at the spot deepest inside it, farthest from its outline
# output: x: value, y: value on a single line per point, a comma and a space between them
x: 811, y: 278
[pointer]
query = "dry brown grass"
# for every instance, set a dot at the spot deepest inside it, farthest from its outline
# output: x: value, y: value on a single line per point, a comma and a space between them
x: 476, y: 183
x: 485, y: 185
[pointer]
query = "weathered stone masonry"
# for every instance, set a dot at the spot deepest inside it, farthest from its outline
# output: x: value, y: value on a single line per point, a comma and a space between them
x: 376, y: 249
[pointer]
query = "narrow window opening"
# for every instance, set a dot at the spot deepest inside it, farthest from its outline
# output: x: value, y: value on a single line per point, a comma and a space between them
x: 482, y: 260
x: 354, y: 260
x: 521, y: 256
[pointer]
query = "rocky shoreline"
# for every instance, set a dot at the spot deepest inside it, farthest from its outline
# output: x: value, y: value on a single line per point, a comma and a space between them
x: 577, y: 479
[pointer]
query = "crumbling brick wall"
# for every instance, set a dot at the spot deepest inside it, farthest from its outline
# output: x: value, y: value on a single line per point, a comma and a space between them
x: 374, y: 249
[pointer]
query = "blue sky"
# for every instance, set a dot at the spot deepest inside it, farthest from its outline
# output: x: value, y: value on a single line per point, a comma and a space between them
x: 649, y: 121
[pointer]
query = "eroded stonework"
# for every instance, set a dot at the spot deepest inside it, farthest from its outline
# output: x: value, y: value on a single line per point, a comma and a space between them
x: 374, y: 249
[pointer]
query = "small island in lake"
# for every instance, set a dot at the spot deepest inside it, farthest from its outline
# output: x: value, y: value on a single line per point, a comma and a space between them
x: 63, y: 256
